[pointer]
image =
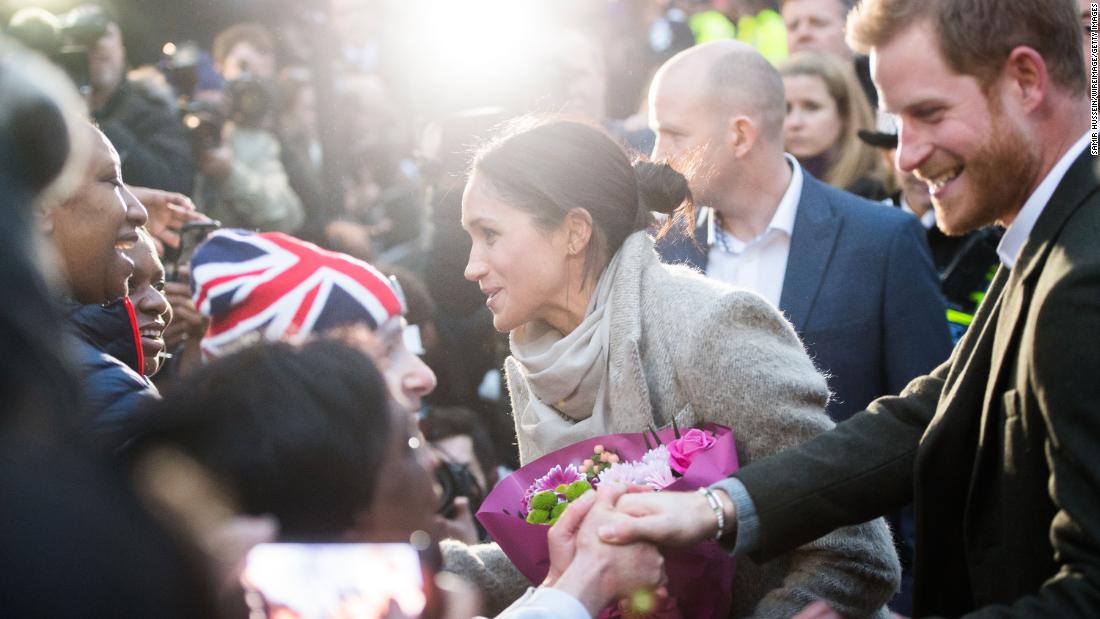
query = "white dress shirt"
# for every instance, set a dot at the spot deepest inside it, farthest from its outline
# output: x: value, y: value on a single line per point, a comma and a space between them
x: 1016, y: 235
x: 928, y: 219
x: 759, y: 264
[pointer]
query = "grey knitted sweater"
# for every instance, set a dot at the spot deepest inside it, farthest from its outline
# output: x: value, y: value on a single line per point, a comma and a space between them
x: 688, y: 347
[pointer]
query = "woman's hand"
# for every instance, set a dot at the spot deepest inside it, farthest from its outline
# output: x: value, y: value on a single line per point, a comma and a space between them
x: 598, y: 573
x: 168, y: 212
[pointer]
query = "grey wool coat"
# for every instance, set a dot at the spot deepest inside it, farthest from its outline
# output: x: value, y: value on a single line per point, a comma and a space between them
x: 744, y: 368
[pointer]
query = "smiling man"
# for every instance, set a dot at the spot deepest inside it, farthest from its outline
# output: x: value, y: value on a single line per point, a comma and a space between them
x: 996, y: 447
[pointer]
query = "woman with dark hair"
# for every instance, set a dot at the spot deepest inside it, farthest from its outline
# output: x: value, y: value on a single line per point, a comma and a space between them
x: 307, y: 434
x: 312, y: 436
x: 558, y: 218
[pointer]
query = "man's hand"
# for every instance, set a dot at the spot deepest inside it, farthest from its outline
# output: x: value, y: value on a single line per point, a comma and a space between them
x: 666, y: 518
x: 168, y: 212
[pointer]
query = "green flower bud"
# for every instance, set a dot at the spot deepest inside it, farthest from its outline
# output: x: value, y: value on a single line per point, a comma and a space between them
x: 546, y: 500
x: 558, y: 509
x: 538, y: 516
x: 576, y: 489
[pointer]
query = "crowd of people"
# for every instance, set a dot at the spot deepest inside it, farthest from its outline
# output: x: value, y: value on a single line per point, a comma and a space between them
x: 281, y: 290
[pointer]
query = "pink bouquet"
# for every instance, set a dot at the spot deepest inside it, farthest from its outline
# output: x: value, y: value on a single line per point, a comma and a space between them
x: 518, y: 509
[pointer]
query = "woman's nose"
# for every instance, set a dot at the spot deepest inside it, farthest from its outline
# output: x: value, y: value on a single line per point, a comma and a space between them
x: 154, y: 303
x: 136, y: 214
x: 475, y: 269
x: 420, y: 379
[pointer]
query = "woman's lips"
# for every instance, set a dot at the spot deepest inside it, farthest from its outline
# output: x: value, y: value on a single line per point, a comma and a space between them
x: 491, y: 297
x: 152, y: 339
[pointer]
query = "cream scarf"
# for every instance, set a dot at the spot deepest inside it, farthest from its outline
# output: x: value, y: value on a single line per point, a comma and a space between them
x: 567, y: 375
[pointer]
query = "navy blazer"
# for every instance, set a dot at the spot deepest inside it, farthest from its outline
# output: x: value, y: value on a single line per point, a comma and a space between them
x: 860, y: 289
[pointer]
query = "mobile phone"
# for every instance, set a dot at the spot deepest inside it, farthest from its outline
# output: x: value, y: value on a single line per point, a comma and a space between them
x: 192, y: 234
x: 334, y: 581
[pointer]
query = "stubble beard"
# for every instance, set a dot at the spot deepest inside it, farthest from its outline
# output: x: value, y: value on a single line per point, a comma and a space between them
x: 999, y: 177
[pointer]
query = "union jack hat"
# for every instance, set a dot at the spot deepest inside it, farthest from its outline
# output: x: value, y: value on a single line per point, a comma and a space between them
x: 273, y: 287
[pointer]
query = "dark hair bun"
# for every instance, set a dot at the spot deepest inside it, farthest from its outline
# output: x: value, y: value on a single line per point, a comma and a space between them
x: 661, y: 189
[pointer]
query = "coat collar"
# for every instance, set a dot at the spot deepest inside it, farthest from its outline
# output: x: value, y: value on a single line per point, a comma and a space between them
x: 816, y: 228
x: 631, y: 404
x: 1077, y: 185
x: 110, y: 328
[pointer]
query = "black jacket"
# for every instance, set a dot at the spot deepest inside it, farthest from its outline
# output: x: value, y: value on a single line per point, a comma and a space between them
x: 109, y: 360
x: 996, y: 447
x: 150, y: 140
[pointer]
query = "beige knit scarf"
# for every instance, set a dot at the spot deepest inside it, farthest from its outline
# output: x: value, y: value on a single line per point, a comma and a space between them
x: 567, y: 374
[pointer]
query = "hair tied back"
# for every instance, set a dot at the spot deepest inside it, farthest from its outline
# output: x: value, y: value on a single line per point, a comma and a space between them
x: 661, y: 188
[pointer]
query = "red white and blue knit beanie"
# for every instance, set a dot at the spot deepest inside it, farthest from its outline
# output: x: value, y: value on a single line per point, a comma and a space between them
x: 273, y: 287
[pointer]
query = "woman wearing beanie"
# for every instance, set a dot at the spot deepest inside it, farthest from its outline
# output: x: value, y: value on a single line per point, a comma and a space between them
x: 601, y: 344
x: 272, y: 287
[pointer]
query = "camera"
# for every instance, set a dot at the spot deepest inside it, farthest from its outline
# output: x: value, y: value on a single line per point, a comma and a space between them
x: 456, y: 480
x: 248, y: 100
x: 66, y: 40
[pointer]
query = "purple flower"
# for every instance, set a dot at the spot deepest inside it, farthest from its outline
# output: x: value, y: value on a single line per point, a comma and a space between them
x: 553, y: 478
x: 655, y: 473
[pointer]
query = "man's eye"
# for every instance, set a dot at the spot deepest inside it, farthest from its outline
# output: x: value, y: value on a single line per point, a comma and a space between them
x: 159, y: 286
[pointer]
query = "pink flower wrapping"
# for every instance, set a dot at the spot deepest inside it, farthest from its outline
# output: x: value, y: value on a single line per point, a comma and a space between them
x: 682, y: 451
x: 700, y: 577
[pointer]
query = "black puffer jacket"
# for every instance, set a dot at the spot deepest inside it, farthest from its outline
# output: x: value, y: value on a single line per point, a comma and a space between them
x: 109, y: 360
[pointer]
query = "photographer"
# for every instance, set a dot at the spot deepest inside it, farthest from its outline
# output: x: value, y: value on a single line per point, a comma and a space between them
x: 242, y: 181
x: 148, y: 136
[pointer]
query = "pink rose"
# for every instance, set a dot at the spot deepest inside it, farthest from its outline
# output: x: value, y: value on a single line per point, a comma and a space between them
x: 683, y: 450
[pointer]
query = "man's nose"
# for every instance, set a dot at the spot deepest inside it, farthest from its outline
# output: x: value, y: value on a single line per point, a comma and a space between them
x: 913, y: 149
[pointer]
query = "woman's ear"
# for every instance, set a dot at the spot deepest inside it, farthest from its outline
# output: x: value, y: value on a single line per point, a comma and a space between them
x: 43, y: 219
x: 578, y: 231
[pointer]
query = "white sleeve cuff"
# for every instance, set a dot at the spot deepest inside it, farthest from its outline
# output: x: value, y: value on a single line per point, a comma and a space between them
x: 546, y: 603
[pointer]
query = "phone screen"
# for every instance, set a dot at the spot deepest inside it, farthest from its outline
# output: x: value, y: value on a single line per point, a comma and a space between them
x: 334, y: 581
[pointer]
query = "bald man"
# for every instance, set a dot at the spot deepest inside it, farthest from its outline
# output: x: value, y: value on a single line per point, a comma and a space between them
x: 854, y: 277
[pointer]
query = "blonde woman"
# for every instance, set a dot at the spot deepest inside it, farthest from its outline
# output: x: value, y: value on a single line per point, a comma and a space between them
x: 825, y: 109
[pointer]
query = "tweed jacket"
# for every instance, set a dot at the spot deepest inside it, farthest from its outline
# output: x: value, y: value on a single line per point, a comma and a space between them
x: 997, y: 448
x: 739, y: 363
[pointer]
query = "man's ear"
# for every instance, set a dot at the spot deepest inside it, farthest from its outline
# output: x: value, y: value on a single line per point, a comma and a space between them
x: 1026, y: 76
x: 741, y: 134
x: 578, y: 230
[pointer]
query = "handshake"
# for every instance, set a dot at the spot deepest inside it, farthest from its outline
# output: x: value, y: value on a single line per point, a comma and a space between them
x: 605, y: 546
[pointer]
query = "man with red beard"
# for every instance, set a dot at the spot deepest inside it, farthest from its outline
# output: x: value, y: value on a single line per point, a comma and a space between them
x: 997, y: 447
